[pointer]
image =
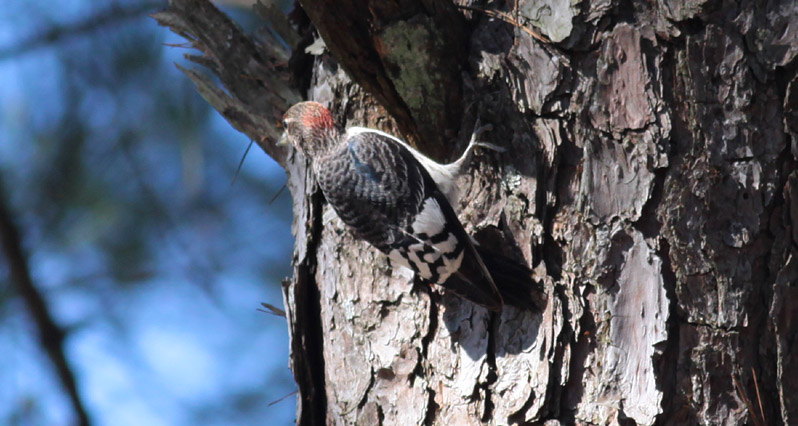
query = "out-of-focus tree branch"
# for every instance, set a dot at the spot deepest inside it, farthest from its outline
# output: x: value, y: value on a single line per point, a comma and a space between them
x: 51, y: 336
x: 60, y: 32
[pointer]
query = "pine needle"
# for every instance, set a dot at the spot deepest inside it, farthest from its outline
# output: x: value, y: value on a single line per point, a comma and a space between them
x: 506, y: 17
x: 241, y: 163
x: 271, y: 309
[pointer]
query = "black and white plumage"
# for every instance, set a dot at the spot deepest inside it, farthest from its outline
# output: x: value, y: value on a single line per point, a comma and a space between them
x: 397, y: 199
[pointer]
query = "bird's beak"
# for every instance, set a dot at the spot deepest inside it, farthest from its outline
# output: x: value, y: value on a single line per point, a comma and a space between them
x: 283, y: 141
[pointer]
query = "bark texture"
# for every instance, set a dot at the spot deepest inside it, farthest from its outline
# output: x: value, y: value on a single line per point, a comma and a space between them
x: 649, y: 180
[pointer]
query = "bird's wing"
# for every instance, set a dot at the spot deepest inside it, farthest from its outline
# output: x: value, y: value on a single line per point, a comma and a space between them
x: 388, y: 198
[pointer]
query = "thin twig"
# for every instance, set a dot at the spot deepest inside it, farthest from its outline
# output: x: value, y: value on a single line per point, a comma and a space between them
x: 290, y: 394
x: 185, y: 45
x: 51, y: 336
x: 280, y: 191
x: 758, y: 397
x: 746, y: 401
x: 506, y: 17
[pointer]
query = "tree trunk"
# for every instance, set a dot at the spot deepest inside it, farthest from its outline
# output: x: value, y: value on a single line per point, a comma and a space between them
x: 649, y: 181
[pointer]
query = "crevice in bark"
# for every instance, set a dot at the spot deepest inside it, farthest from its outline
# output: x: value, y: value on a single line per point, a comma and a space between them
x: 715, y: 327
x: 623, y: 420
x: 433, y: 326
x: 552, y: 254
x: 519, y: 416
x: 783, y: 76
x: 380, y: 415
x: 490, y: 356
x: 365, y: 398
x: 758, y: 358
x: 649, y: 224
x: 550, y: 251
x: 624, y: 12
x: 554, y: 390
x: 584, y: 344
x: 763, y: 357
x: 432, y: 406
x: 432, y: 409
x: 666, y: 365
x: 547, y: 108
x: 668, y: 361
x: 308, y: 340
x: 688, y: 28
x: 766, y: 359
x: 300, y: 64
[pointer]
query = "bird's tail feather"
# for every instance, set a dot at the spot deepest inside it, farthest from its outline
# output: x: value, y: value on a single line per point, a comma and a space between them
x: 477, y: 292
x: 513, y: 280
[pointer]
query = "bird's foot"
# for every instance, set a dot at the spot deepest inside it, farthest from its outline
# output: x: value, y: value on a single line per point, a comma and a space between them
x: 478, y: 131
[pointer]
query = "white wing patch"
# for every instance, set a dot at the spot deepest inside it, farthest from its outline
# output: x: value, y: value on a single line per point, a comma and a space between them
x: 432, y: 261
x: 448, y: 246
x: 430, y: 219
x: 423, y: 267
x: 449, y: 267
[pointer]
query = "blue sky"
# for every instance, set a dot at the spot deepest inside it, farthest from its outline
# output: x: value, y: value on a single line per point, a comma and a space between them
x: 164, y: 331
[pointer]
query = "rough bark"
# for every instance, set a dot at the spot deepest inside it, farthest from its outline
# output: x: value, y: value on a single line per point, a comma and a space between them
x: 649, y: 180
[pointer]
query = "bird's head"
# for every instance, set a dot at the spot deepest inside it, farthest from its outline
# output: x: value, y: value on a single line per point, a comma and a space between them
x: 310, y: 128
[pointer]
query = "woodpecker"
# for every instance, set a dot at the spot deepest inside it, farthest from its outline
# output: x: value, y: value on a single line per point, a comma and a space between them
x: 400, y: 201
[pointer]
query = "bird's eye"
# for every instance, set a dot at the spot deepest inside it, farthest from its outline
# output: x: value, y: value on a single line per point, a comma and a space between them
x: 285, y: 125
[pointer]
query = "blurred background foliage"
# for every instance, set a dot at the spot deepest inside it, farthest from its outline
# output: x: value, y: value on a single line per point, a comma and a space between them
x: 119, y: 180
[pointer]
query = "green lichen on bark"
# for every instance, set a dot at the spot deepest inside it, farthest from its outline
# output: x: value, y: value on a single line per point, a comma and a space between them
x: 554, y: 18
x: 411, y: 53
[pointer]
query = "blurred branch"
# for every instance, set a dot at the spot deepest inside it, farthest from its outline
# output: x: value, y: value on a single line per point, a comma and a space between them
x: 51, y: 336
x: 57, y: 33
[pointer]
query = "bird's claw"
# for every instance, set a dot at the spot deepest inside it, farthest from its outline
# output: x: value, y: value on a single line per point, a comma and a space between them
x: 490, y: 146
x: 478, y: 131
